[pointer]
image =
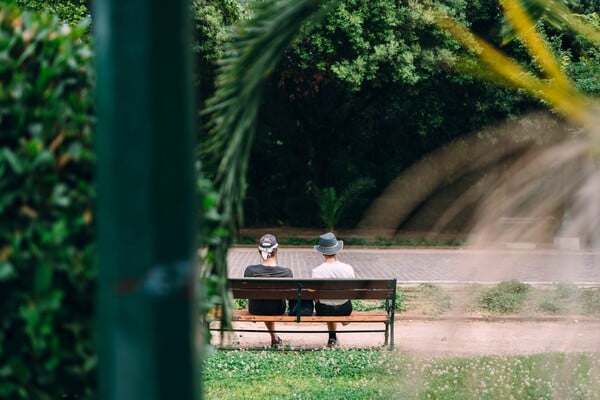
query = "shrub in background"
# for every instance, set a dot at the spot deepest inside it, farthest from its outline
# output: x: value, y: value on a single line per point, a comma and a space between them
x: 505, y: 298
x: 590, y: 301
x: 46, y: 233
x: 71, y: 11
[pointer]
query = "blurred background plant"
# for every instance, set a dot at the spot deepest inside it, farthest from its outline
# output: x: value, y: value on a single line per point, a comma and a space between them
x: 505, y: 298
x: 332, y: 205
x: 67, y: 11
x: 47, y: 259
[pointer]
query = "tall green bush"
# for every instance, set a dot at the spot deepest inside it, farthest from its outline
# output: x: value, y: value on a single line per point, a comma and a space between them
x: 46, y: 217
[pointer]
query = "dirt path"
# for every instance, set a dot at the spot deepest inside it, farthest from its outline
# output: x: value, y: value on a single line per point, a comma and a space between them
x: 443, y: 338
x: 455, y: 337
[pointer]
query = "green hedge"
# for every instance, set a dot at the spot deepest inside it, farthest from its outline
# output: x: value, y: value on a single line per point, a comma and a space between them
x: 47, y: 259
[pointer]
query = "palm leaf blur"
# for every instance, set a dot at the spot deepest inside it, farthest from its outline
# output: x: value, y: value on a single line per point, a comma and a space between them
x: 552, y: 172
x: 556, y: 89
x: 562, y: 175
x: 558, y: 15
x: 256, y: 47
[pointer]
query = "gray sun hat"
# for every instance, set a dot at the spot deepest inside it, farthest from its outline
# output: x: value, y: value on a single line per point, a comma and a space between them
x: 328, y: 244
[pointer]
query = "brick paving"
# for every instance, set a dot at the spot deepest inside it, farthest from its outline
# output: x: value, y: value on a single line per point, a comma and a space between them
x: 441, y: 265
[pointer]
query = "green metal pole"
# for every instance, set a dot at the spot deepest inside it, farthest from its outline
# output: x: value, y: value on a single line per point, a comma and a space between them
x: 145, y: 200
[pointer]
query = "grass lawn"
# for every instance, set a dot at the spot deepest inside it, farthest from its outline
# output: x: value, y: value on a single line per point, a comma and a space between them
x: 379, y: 374
x: 376, y: 374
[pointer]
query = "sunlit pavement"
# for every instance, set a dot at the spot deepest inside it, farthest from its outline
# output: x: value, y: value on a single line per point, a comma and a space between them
x: 441, y: 265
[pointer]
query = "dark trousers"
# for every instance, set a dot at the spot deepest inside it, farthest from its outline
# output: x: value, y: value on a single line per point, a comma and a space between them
x: 266, y: 307
x: 325, y: 309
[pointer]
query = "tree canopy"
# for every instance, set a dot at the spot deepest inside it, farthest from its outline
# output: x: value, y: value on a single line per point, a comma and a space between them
x: 373, y: 88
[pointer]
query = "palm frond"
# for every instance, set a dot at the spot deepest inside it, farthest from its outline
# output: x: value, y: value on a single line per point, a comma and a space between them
x: 559, y: 16
x: 534, y: 43
x: 256, y: 48
x: 563, y: 96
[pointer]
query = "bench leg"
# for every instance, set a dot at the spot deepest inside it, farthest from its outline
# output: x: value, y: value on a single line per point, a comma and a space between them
x: 387, y: 334
x: 391, y: 336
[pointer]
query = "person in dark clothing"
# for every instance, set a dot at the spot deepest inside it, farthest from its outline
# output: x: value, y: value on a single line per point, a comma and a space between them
x: 268, y: 268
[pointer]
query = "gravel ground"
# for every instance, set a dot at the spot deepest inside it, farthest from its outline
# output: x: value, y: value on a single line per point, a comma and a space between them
x: 443, y: 337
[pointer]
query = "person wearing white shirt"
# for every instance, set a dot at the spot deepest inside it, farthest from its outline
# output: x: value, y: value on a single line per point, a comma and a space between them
x: 331, y: 267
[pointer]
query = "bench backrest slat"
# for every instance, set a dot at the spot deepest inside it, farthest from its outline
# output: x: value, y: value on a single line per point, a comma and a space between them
x: 275, y: 288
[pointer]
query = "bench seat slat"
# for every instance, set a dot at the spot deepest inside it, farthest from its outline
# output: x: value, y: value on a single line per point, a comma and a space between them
x: 356, y: 316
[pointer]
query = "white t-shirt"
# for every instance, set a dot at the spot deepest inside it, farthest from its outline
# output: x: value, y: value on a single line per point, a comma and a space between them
x: 338, y: 270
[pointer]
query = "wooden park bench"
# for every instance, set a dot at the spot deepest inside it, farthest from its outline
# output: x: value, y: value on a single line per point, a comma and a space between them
x: 312, y: 289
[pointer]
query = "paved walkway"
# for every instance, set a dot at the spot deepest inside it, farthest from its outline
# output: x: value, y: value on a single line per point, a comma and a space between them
x: 441, y: 265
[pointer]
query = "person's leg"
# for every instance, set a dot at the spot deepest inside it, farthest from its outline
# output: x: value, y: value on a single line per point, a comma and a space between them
x: 275, y: 340
x: 332, y: 327
x: 271, y: 328
x: 268, y: 307
x: 324, y: 309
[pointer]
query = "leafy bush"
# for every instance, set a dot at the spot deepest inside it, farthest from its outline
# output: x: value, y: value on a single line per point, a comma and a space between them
x: 71, y: 11
x: 551, y: 305
x: 240, y: 304
x: 46, y: 233
x: 332, y: 205
x: 590, y: 301
x: 560, y: 300
x: 433, y: 299
x: 505, y: 297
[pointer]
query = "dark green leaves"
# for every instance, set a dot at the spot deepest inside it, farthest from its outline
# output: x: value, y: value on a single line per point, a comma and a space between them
x: 46, y: 233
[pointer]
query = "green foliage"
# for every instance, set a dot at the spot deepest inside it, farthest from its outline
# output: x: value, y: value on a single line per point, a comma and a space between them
x: 214, y: 240
x: 505, y: 297
x: 47, y: 261
x: 401, y: 300
x: 551, y: 305
x: 312, y: 375
x: 241, y: 304
x: 254, y: 50
x: 213, y: 22
x: 366, y: 305
x: 356, y: 374
x: 561, y: 299
x: 375, y: 42
x: 70, y: 11
x: 379, y: 241
x: 332, y: 205
x: 565, y: 290
x: 590, y: 301
x: 433, y: 299
x: 365, y: 95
